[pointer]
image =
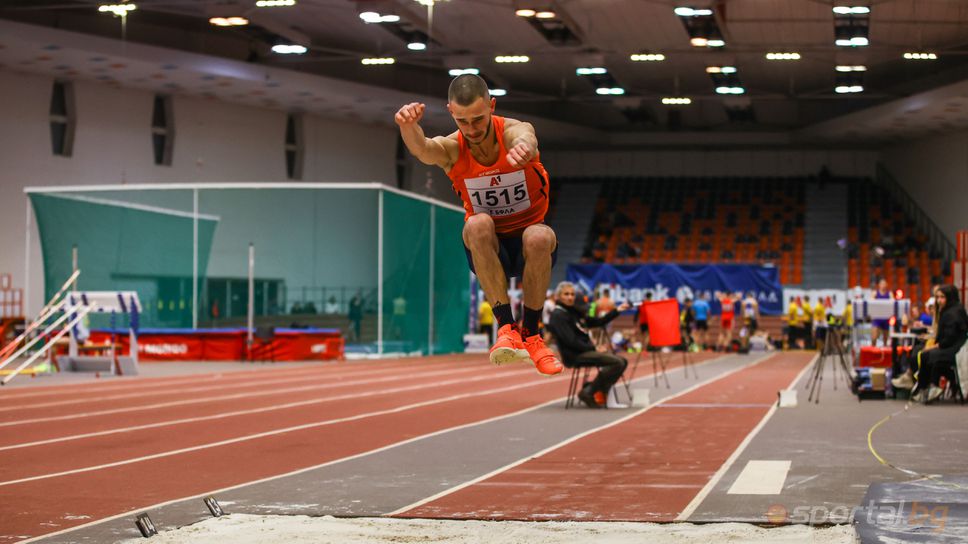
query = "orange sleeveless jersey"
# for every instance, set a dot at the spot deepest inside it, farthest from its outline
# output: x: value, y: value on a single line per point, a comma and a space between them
x: 515, y: 198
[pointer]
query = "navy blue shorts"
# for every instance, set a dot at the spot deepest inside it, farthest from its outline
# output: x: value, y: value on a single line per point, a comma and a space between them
x: 510, y: 251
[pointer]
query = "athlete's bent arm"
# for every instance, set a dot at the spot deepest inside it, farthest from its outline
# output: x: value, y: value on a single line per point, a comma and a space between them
x: 433, y: 151
x: 521, y: 141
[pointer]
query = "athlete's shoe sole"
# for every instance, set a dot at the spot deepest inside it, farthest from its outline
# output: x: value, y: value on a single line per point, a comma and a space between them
x: 506, y: 356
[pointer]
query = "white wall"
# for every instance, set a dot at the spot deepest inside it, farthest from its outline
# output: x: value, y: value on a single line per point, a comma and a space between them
x: 214, y: 141
x: 934, y: 172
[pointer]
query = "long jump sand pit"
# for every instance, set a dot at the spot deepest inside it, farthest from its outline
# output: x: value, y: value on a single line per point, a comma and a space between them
x: 252, y: 529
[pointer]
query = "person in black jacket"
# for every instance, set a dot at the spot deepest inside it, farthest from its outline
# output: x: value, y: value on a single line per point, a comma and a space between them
x: 569, y: 326
x: 937, y: 359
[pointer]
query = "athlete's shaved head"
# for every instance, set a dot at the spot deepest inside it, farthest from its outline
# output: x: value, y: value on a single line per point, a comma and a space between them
x: 466, y: 88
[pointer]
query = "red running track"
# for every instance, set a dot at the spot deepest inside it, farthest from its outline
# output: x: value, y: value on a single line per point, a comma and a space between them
x: 70, y: 455
x: 647, y: 468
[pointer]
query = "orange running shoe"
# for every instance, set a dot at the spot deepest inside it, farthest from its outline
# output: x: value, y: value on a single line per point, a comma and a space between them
x: 509, y: 348
x: 543, y: 358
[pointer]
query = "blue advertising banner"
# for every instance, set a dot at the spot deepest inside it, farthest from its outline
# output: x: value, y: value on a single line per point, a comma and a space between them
x: 632, y: 282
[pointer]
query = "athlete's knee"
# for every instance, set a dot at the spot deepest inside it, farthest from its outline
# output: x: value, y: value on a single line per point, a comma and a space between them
x: 478, y: 228
x: 538, y: 239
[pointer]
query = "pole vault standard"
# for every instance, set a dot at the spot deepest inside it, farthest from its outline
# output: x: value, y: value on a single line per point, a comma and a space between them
x: 250, y: 322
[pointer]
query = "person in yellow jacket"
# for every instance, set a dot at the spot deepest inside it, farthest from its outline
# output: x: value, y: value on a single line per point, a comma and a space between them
x: 819, y: 323
x: 485, y: 317
x: 794, y: 322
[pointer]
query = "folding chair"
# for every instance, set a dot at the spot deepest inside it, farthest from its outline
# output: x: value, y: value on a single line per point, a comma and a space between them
x: 579, y: 375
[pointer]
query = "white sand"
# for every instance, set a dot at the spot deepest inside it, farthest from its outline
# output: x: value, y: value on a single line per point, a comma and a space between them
x: 250, y: 529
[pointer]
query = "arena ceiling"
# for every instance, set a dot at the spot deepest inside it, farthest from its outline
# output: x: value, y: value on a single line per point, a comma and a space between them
x: 779, y: 95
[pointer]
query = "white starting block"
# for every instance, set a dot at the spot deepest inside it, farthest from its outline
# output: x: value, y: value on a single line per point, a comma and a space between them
x: 101, y: 302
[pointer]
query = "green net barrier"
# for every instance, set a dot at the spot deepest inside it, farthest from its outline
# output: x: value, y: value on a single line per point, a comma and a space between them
x: 316, y: 255
x: 144, y: 245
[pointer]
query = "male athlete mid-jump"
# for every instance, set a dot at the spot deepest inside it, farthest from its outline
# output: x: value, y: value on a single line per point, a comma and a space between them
x: 493, y: 164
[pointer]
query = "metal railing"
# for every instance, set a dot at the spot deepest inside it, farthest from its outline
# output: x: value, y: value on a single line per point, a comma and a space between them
x: 923, y: 221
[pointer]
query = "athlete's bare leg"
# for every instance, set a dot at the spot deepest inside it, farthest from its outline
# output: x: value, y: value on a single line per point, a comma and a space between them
x: 539, y: 242
x: 481, y: 239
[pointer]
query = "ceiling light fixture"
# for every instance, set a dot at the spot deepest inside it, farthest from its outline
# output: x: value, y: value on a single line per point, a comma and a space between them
x: 592, y: 71
x: 289, y: 49
x: 690, y: 12
x: 417, y: 46
x: 676, y: 101
x: 512, y: 58
x: 720, y: 69
x: 525, y: 13
x: 846, y: 68
x: 699, y: 42
x: 783, y: 56
x: 921, y: 56
x: 844, y: 89
x: 372, y: 17
x: 378, y: 60
x: 730, y: 90
x: 497, y: 92
x: 856, y: 41
x: 716, y: 43
x: 274, y: 3
x: 120, y: 10
x: 229, y: 21
x: 454, y: 72
x: 855, y: 10
x: 610, y: 90
x: 647, y: 57
x: 545, y: 14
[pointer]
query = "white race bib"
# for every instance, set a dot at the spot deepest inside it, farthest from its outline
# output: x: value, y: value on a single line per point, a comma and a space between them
x: 499, y: 194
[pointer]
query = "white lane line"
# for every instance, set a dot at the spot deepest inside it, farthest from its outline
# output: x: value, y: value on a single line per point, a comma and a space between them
x: 223, y: 415
x: 245, y: 395
x: 170, y: 389
x: 760, y: 477
x: 716, y: 405
x: 274, y: 432
x: 567, y: 441
x: 129, y: 383
x: 701, y: 496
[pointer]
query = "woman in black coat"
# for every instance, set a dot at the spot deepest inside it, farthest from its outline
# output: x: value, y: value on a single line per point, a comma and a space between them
x: 939, y: 359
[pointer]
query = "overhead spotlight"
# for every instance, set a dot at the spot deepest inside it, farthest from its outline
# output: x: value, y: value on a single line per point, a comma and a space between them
x: 416, y: 46
x: 783, y: 56
x: 676, y: 101
x: 690, y: 12
x: 846, y: 68
x: 715, y: 43
x: 525, y: 13
x: 289, y: 49
x: 229, y: 21
x: 647, y: 57
x: 378, y: 60
x: 921, y: 56
x: 372, y: 17
x: 545, y: 14
x: 855, y: 10
x: 461, y: 71
x: 512, y: 58
x: 720, y: 69
x: 730, y: 90
x: 274, y: 3
x: 594, y: 71
x: 497, y: 92
x: 610, y: 90
x: 119, y: 10
x: 699, y: 42
x: 844, y: 89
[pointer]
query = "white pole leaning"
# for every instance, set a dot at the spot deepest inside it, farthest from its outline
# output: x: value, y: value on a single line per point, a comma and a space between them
x: 251, y: 313
x: 80, y: 315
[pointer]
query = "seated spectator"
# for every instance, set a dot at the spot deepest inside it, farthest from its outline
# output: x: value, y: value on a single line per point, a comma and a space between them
x: 332, y: 307
x: 567, y: 325
x: 937, y: 358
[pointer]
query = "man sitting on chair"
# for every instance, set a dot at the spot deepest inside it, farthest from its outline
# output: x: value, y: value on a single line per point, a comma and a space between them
x: 569, y: 326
